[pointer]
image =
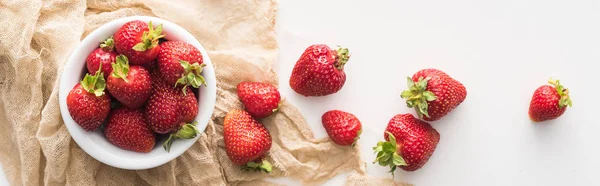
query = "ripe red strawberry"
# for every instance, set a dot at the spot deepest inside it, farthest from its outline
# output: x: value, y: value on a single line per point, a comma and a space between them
x: 342, y: 127
x: 260, y: 99
x: 189, y: 105
x: 549, y: 102
x: 158, y: 82
x: 433, y: 94
x: 138, y: 41
x: 87, y: 102
x: 246, y: 141
x: 104, y: 55
x: 170, y: 111
x: 320, y: 71
x: 409, y: 143
x: 127, y: 129
x: 189, y: 101
x: 164, y: 113
x: 180, y: 64
x: 131, y: 85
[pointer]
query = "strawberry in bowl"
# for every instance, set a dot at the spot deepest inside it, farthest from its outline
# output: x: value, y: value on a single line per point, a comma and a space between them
x: 107, y: 114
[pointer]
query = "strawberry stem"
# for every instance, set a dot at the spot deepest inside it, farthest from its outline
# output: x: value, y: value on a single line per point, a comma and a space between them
x: 343, y: 55
x: 150, y: 38
x: 417, y: 96
x: 94, y: 84
x: 121, y: 68
x: 563, y: 92
x: 387, y: 154
x: 191, y: 76
x: 187, y: 131
x: 108, y: 44
x: 264, y: 166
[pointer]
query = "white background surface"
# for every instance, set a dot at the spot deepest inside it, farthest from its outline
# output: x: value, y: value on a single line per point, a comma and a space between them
x: 500, y: 50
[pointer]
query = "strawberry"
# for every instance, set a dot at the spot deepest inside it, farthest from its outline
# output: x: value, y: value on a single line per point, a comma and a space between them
x: 189, y: 103
x: 158, y: 82
x: 342, y: 127
x: 180, y: 64
x: 170, y: 111
x: 320, y: 71
x: 433, y: 94
x: 87, y: 102
x: 131, y: 85
x: 189, y: 106
x: 409, y: 143
x: 246, y: 141
x: 104, y: 55
x: 138, y: 41
x: 127, y: 129
x: 260, y: 99
x: 549, y: 102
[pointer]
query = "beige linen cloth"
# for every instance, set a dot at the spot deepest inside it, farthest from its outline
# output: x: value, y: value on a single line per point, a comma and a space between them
x: 36, y: 39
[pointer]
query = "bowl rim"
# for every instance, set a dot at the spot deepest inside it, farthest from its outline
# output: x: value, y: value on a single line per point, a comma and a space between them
x: 206, y: 98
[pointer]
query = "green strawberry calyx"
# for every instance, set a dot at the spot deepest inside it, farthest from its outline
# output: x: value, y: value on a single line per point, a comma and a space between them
x: 121, y: 68
x: 264, y: 166
x: 94, y: 84
x: 187, y: 131
x: 387, y: 153
x: 108, y: 44
x: 343, y: 55
x: 191, y: 75
x: 417, y: 95
x: 150, y: 38
x: 563, y: 92
x: 357, y: 137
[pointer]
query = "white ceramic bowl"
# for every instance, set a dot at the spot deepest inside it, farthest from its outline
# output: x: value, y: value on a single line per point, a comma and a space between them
x: 94, y: 143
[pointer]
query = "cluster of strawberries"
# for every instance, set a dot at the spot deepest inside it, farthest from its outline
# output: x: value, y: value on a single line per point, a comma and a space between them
x: 409, y: 141
x: 142, y: 85
x: 154, y: 95
x: 318, y: 72
x: 246, y: 139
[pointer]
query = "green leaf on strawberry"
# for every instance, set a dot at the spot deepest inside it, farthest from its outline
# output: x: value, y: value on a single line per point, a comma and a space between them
x: 94, y: 84
x: 565, y: 99
x: 121, y: 67
x: 108, y: 44
x: 343, y: 55
x: 191, y: 75
x: 417, y: 95
x: 187, y: 131
x: 150, y: 38
x: 387, y: 154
